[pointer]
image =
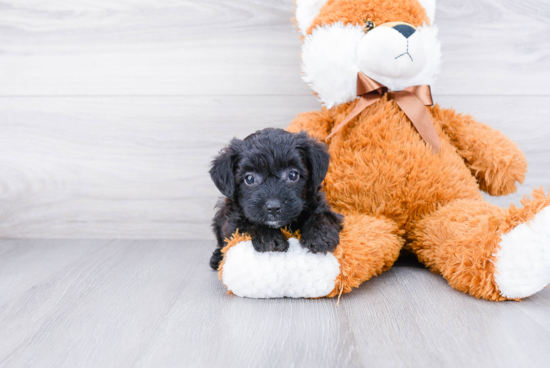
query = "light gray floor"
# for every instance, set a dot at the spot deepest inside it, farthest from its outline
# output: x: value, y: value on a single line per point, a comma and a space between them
x: 146, y: 303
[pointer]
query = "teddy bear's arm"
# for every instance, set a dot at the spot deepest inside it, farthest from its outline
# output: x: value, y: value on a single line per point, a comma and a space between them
x: 495, y: 160
x: 316, y: 123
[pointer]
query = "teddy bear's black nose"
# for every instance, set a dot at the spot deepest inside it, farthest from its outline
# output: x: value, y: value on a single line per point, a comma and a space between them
x: 405, y: 30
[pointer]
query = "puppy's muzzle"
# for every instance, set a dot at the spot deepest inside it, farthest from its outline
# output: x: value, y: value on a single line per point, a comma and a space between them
x: 273, y: 207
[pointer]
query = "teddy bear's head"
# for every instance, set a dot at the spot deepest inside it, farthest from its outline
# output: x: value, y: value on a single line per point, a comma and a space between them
x: 391, y: 41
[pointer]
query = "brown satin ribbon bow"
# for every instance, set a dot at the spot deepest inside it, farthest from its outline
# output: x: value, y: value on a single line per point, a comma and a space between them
x: 411, y: 100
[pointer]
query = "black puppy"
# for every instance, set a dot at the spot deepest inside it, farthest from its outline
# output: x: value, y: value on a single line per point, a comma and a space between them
x: 272, y: 179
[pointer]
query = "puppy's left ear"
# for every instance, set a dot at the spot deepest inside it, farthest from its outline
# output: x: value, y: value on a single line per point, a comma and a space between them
x: 223, y: 168
x: 317, y: 158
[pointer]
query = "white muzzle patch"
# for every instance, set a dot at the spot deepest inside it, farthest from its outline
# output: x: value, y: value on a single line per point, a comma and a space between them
x: 385, y: 51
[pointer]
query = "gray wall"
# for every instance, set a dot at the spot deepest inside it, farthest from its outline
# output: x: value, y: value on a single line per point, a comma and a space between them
x: 110, y: 111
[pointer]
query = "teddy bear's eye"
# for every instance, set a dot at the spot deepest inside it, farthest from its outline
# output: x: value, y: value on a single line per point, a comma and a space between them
x: 293, y: 175
x: 249, y: 179
x: 369, y: 24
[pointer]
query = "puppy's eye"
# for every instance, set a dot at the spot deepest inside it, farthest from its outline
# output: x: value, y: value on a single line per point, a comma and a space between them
x: 249, y: 179
x: 293, y: 175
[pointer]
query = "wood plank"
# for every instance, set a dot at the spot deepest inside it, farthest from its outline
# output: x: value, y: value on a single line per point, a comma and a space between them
x: 123, y: 167
x: 42, y: 260
x: 484, y: 53
x: 241, y: 47
x: 135, y: 303
x: 138, y: 47
x: 136, y: 167
x: 430, y: 324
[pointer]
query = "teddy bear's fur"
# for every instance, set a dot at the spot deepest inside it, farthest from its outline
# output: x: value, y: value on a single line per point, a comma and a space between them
x: 395, y: 192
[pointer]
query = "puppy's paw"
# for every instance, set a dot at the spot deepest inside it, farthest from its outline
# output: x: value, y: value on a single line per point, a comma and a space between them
x: 320, y: 240
x: 216, y: 259
x: 270, y: 241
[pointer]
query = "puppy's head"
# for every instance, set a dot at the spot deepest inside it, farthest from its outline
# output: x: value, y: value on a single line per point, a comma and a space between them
x: 270, y: 174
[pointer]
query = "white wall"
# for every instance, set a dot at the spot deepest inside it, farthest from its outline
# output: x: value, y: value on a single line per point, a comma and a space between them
x: 110, y: 111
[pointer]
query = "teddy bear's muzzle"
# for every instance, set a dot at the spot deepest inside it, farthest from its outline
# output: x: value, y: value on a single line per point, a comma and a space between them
x: 394, y: 50
x: 405, y: 29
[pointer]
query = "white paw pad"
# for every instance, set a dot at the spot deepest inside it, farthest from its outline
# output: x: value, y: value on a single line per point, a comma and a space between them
x: 296, y: 273
x: 523, y: 260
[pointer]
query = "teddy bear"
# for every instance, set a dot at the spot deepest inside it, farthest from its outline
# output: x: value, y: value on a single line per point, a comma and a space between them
x: 405, y: 173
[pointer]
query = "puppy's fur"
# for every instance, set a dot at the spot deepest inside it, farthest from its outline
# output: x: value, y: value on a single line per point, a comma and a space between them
x: 272, y: 179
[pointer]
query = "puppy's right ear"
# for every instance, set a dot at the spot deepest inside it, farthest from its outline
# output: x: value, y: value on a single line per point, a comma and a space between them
x: 317, y: 158
x: 223, y: 168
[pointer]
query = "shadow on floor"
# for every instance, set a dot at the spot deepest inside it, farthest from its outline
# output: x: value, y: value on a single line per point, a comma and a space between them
x: 408, y: 259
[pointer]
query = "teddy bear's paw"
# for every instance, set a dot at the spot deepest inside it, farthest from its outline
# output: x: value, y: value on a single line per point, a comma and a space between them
x: 296, y: 273
x: 523, y: 260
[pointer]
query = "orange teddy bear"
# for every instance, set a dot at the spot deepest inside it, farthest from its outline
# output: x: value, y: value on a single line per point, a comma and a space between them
x: 406, y: 174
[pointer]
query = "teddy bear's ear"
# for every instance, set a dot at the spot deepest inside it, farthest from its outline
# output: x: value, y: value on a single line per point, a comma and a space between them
x: 306, y: 11
x: 429, y: 7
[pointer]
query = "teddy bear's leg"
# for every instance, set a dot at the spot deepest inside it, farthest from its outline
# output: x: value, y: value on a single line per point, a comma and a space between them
x: 368, y: 246
x: 487, y: 251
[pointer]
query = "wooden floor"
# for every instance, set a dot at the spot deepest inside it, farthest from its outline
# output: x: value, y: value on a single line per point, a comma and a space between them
x: 146, y: 303
x: 110, y: 112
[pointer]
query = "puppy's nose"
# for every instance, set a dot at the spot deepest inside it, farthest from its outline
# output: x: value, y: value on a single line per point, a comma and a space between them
x: 405, y: 30
x: 273, y: 206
